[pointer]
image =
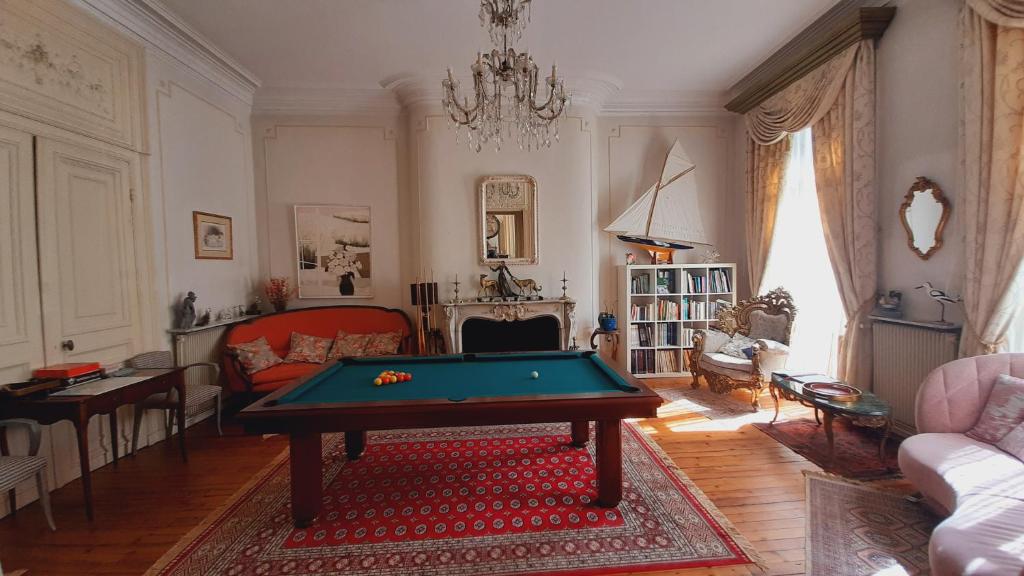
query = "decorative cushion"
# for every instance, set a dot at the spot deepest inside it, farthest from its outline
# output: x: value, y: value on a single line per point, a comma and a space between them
x: 347, y: 345
x: 734, y: 347
x: 714, y: 340
x: 1013, y: 442
x: 383, y: 344
x: 748, y: 352
x: 765, y: 326
x: 1003, y: 412
x: 306, y: 348
x: 256, y: 355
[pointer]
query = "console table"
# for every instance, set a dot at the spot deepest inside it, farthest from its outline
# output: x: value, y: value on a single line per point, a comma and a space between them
x: 78, y: 408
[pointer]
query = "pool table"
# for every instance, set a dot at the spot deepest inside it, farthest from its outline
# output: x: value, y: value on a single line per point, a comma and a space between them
x: 451, y: 390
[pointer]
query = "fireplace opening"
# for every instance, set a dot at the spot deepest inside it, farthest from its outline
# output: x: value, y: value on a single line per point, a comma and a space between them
x: 533, y: 335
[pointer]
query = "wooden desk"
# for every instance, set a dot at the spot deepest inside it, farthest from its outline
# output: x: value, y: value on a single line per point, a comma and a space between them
x: 78, y: 409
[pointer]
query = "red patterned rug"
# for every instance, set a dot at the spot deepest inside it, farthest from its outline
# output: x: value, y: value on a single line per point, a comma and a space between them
x: 856, y: 447
x: 499, y: 500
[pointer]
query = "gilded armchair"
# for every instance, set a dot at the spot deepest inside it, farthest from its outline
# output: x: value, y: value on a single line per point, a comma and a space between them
x: 768, y: 320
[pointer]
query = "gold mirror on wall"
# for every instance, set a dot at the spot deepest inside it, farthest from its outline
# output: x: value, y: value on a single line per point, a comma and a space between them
x: 508, y: 220
x: 924, y: 213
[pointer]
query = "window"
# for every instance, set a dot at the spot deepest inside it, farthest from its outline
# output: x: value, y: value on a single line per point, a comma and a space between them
x: 1015, y: 335
x: 799, y: 262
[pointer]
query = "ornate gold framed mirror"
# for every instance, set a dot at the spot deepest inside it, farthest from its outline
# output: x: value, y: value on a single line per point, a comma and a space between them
x: 924, y: 213
x: 508, y: 220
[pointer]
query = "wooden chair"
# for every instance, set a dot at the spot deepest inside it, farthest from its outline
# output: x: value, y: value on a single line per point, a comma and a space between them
x: 16, y: 469
x: 197, y: 396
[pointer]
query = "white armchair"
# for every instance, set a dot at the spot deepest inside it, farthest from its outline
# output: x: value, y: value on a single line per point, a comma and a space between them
x: 768, y: 320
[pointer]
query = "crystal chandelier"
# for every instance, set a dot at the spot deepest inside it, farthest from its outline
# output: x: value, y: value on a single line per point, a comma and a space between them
x: 505, y: 84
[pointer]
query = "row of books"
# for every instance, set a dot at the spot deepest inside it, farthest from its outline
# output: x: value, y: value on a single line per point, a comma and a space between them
x: 642, y: 362
x: 667, y: 361
x: 655, y: 361
x: 719, y: 281
x: 666, y: 282
x: 643, y: 312
x: 668, y: 310
x: 695, y: 309
x: 640, y: 284
x: 641, y: 335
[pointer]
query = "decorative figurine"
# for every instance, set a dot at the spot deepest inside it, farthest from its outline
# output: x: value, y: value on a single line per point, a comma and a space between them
x: 488, y: 288
x: 529, y: 288
x: 254, y: 308
x: 187, y: 312
x: 630, y: 258
x: 204, y: 318
x: 889, y: 305
x: 710, y: 256
x: 942, y: 298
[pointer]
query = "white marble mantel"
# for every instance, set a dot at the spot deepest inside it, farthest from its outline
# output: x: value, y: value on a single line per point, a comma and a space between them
x: 562, y: 310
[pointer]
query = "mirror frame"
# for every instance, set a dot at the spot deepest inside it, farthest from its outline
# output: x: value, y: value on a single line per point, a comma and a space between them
x: 482, y: 225
x: 920, y: 185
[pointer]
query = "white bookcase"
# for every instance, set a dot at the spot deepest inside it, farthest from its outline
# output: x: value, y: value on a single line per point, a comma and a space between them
x: 659, y: 307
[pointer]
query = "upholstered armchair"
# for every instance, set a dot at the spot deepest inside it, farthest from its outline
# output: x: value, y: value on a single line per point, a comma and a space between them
x: 768, y: 321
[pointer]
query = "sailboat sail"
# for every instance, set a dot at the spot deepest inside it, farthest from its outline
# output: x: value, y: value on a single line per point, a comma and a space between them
x: 669, y: 211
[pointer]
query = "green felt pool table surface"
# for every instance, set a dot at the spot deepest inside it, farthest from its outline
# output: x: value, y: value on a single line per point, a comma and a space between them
x: 460, y: 377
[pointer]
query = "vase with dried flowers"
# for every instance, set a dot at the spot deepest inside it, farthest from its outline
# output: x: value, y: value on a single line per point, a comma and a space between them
x: 278, y: 292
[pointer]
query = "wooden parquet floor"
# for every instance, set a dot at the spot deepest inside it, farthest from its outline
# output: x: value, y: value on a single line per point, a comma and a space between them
x: 149, y: 502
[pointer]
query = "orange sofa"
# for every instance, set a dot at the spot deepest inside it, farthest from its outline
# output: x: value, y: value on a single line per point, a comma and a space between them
x: 323, y: 321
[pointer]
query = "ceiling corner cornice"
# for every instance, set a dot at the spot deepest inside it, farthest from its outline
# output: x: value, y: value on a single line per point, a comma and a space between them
x: 157, y: 25
x: 326, y: 100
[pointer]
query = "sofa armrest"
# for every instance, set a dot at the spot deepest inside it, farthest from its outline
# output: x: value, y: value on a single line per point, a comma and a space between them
x: 709, y: 341
x: 769, y: 356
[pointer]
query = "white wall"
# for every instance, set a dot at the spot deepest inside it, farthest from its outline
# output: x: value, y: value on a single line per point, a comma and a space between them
x: 201, y: 160
x: 917, y: 63
x: 346, y: 161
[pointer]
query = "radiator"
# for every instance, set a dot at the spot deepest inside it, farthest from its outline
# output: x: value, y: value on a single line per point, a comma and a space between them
x: 199, y: 346
x: 904, y: 353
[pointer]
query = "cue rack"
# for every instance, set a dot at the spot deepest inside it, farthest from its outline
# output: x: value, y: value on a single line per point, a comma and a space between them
x: 429, y: 339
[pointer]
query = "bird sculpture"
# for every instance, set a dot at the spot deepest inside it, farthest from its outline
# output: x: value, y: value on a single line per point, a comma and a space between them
x: 941, y: 297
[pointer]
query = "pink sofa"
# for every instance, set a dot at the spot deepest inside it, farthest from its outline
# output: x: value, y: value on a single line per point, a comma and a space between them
x: 979, y: 487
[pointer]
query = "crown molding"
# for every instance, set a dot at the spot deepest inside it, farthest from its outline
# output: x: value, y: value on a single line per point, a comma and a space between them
x: 160, y: 28
x: 664, y: 103
x: 325, y: 100
x: 844, y: 25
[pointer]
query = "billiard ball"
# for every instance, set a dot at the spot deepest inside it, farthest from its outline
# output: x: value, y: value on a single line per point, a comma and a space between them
x: 534, y: 375
x: 377, y: 381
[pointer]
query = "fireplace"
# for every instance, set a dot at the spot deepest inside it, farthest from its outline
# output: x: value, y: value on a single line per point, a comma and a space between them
x: 510, y: 326
x: 533, y: 335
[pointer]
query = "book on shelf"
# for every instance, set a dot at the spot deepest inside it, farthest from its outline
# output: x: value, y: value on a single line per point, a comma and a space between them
x: 640, y: 284
x: 668, y: 310
x: 641, y: 312
x: 687, y: 337
x: 694, y: 309
x: 642, y: 362
x: 719, y: 281
x: 668, y: 335
x: 667, y: 361
x: 641, y: 335
x: 695, y: 284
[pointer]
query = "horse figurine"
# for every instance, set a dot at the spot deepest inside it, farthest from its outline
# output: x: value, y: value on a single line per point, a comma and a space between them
x: 528, y: 286
x: 488, y: 287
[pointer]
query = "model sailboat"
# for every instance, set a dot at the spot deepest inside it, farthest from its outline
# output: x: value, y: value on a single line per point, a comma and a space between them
x: 667, y: 216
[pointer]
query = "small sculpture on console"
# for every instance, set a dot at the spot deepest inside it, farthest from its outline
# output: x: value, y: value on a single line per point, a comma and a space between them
x: 488, y: 288
x: 529, y: 288
x: 187, y: 312
x: 254, y: 308
x: 204, y: 318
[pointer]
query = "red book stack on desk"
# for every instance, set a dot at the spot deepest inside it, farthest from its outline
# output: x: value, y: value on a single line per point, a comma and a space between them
x: 70, y: 374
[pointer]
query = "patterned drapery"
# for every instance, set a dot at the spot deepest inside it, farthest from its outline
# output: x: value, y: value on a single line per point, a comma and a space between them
x: 837, y: 100
x: 993, y: 196
x: 766, y: 166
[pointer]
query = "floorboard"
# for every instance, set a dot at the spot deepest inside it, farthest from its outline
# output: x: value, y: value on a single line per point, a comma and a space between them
x: 153, y: 499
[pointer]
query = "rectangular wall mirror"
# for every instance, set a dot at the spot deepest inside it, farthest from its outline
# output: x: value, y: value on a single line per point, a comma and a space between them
x: 508, y: 220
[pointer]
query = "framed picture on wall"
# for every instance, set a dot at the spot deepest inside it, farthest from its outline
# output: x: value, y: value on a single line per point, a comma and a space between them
x: 212, y: 236
x: 333, y: 251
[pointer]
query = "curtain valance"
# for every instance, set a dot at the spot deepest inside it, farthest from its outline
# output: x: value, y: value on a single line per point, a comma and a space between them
x: 1009, y: 13
x: 803, y: 102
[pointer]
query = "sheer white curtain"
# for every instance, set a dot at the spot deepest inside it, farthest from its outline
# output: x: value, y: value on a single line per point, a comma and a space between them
x: 799, y: 262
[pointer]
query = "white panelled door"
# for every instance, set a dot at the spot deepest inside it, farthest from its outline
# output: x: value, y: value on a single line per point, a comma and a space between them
x: 86, y: 253
x: 21, y: 340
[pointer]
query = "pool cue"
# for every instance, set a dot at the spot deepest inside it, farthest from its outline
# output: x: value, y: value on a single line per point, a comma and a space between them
x: 430, y: 313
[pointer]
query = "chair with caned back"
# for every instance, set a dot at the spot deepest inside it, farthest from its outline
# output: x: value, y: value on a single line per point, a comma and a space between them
x: 17, y: 469
x: 197, y: 396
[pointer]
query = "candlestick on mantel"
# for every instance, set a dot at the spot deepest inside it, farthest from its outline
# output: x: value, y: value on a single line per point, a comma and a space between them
x: 564, y: 283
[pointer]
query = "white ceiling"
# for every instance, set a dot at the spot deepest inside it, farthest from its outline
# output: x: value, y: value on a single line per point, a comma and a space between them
x: 695, y: 48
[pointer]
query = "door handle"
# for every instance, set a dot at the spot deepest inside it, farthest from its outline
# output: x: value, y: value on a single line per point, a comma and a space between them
x: 68, y: 345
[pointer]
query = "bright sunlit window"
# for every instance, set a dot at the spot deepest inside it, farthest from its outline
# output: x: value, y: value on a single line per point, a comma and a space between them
x: 1015, y: 336
x: 799, y: 262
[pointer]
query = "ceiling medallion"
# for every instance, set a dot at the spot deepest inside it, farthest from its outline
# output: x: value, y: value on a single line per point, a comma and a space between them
x: 505, y: 86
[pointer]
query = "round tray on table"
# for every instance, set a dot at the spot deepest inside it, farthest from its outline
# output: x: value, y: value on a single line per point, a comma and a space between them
x: 835, y: 391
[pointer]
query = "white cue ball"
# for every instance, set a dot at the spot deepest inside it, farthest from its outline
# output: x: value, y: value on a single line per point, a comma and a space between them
x: 534, y: 375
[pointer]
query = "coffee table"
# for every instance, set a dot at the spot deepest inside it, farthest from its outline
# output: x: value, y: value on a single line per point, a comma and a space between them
x: 867, y: 410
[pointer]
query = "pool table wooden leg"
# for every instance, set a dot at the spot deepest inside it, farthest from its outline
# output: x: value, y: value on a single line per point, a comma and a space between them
x: 609, y: 462
x: 307, y: 477
x: 355, y: 443
x: 580, y: 433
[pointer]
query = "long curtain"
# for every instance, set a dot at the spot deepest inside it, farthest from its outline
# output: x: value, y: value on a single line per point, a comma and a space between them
x: 765, y: 171
x: 993, y: 201
x: 837, y: 101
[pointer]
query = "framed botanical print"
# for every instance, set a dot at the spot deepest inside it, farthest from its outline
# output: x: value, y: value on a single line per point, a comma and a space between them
x: 212, y: 236
x: 333, y: 251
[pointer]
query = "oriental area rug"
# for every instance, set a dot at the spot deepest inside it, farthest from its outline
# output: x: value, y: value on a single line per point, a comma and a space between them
x: 499, y: 500
x: 856, y: 447
x: 858, y: 529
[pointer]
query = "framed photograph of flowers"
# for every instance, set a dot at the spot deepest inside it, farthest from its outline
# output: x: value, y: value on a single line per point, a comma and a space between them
x: 333, y: 251
x: 212, y: 236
